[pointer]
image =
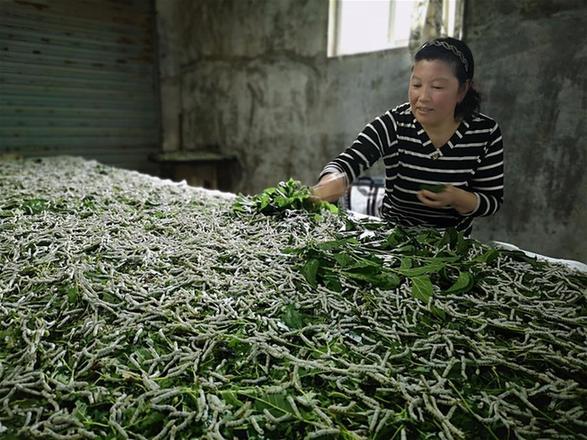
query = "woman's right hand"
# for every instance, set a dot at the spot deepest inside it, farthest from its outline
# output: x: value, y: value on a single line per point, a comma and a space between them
x: 331, y: 187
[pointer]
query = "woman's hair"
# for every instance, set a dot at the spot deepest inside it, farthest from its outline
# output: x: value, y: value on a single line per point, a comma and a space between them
x: 458, y: 55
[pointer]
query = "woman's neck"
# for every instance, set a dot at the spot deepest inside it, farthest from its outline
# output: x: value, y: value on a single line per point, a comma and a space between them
x: 440, y: 134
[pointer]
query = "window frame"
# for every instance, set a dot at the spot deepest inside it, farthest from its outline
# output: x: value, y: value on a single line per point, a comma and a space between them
x: 334, y: 30
x: 335, y: 11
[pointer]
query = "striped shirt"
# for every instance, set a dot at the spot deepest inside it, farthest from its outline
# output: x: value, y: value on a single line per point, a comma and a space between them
x: 472, y: 160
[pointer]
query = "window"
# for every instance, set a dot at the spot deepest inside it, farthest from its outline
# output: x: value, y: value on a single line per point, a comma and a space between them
x: 358, y: 26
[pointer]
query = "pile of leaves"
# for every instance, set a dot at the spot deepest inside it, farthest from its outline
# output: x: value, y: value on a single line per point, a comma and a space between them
x: 286, y: 196
x: 136, y: 308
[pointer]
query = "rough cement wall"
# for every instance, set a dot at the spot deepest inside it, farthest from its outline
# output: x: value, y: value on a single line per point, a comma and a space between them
x: 252, y: 77
x: 532, y: 60
x: 254, y: 80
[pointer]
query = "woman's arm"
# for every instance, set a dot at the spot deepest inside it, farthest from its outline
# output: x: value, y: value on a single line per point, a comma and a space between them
x: 487, y: 183
x: 331, y: 187
x: 486, y: 191
x: 361, y: 155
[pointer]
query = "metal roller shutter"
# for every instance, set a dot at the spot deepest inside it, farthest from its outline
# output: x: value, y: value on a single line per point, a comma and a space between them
x: 79, y: 77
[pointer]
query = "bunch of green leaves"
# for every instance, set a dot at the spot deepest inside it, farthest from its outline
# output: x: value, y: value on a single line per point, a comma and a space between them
x: 427, y: 260
x: 287, y: 195
x: 332, y: 262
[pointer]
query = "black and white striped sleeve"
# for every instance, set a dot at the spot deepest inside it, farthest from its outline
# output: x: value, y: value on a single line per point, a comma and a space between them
x: 367, y: 149
x: 487, y: 182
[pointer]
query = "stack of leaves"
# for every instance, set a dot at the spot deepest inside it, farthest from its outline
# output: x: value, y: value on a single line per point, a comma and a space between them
x: 136, y: 308
x: 286, y: 196
x: 383, y: 260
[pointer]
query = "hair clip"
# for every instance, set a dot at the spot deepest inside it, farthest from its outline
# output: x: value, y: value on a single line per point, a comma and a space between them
x: 450, y: 48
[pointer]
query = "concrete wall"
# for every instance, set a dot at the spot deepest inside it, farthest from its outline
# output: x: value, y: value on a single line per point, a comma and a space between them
x: 251, y: 77
x: 254, y: 80
x: 532, y: 61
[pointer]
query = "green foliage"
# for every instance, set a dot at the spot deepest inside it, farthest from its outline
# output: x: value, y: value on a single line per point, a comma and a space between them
x: 288, y: 195
x: 35, y: 206
x: 39, y: 205
x: 336, y: 262
x: 422, y: 258
x: 463, y: 284
x: 422, y: 288
x: 292, y: 318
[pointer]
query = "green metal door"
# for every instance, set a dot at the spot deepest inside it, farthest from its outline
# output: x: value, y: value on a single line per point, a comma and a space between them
x: 79, y: 77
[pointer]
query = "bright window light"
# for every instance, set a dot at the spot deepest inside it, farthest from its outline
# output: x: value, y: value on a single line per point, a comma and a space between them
x: 359, y: 26
x: 400, y: 21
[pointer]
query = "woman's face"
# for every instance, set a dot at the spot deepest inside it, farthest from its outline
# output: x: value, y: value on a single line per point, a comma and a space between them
x: 434, y: 92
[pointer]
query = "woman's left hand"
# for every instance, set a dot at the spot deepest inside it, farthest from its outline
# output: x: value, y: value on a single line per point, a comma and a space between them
x: 463, y: 201
x: 437, y: 199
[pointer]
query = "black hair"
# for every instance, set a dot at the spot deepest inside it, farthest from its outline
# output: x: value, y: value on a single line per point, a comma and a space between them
x: 458, y: 55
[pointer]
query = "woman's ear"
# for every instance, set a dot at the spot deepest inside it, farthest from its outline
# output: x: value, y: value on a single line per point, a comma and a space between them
x: 463, y: 90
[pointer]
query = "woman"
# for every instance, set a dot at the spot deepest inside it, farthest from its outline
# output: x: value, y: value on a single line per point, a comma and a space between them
x: 437, y: 138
